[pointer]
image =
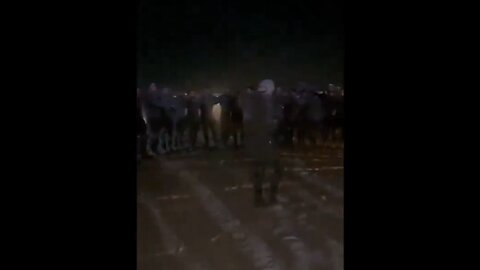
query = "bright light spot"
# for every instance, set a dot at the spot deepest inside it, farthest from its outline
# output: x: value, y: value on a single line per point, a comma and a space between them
x: 216, y: 110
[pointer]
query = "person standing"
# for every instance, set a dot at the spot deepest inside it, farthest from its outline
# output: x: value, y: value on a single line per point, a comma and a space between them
x: 260, y: 122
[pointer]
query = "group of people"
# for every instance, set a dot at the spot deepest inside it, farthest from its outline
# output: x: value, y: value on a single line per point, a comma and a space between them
x: 169, y: 121
x: 260, y: 119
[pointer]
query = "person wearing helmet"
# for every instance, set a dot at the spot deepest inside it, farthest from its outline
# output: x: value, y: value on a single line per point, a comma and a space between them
x: 259, y: 127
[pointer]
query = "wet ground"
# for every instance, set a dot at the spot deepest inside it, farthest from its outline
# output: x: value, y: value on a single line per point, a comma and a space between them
x: 196, y: 211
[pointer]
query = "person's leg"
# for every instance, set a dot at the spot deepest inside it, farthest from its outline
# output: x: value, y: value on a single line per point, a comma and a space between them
x: 236, y: 134
x: 224, y: 130
x: 193, y: 132
x: 204, y: 124
x: 143, y: 146
x: 212, y: 127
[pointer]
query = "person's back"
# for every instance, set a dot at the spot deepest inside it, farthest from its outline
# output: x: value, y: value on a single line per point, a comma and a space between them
x: 259, y: 127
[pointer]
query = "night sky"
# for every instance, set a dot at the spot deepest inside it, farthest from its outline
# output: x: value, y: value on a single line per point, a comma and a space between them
x: 217, y: 44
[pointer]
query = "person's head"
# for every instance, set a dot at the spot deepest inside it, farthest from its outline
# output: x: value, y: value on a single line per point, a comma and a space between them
x: 266, y: 87
x: 152, y: 87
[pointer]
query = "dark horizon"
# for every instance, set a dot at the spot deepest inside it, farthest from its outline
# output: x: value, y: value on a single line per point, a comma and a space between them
x: 216, y: 44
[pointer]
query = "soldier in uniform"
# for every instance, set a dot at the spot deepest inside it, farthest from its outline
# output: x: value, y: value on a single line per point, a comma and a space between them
x: 259, y: 126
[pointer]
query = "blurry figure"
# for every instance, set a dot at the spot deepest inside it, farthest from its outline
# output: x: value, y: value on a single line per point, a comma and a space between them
x: 315, y: 116
x: 156, y: 119
x: 192, y: 118
x: 259, y: 124
x: 207, y: 121
x: 284, y: 133
x: 231, y: 118
x: 180, y: 123
x: 310, y: 114
x: 166, y: 134
x: 141, y: 129
x: 175, y: 108
x: 300, y: 115
x: 225, y: 101
x: 236, y: 119
x: 334, y: 122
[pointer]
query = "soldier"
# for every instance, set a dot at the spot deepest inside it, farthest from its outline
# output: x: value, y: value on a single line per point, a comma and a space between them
x: 259, y: 123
